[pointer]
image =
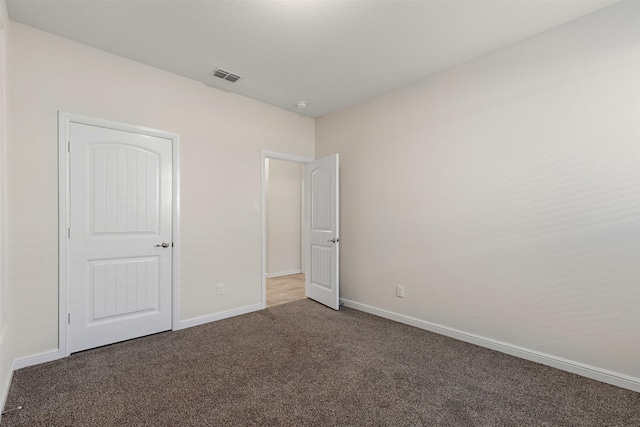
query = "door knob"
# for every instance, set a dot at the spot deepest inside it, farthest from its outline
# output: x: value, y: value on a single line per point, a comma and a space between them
x: 163, y: 245
x: 334, y: 240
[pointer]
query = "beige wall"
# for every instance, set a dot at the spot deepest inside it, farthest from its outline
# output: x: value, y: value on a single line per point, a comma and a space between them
x: 283, y: 217
x: 221, y: 138
x: 503, y: 194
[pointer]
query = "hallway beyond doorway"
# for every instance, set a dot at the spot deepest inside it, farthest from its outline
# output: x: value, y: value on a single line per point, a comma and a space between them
x: 284, y: 289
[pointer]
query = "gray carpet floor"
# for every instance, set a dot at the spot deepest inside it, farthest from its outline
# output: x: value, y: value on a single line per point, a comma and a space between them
x: 301, y: 364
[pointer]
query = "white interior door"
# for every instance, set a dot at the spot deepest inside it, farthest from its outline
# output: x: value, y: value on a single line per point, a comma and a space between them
x: 120, y: 236
x: 322, y: 246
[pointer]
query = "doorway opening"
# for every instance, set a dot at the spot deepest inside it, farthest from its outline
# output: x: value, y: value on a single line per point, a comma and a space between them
x: 284, y: 217
x: 283, y: 262
x: 319, y: 214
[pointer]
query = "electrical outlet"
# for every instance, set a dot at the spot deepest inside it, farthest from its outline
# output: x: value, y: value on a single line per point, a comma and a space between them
x: 220, y: 288
x: 400, y: 291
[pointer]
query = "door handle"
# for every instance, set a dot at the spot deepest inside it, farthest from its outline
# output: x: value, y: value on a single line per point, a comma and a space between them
x: 334, y: 240
x: 163, y: 245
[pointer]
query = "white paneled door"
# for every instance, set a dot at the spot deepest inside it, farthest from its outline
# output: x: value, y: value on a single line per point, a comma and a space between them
x: 120, y: 236
x: 321, y: 193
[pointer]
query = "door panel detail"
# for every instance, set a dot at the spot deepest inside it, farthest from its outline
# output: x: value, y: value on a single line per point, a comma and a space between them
x: 126, y: 185
x: 321, y: 199
x: 124, y: 286
x: 321, y: 260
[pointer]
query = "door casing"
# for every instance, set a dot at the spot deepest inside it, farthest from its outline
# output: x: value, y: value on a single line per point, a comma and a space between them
x: 64, y: 122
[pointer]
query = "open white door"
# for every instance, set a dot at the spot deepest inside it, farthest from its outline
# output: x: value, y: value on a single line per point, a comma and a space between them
x: 321, y: 222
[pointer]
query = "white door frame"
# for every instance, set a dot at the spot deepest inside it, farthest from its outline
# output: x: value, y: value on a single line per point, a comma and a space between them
x: 64, y: 123
x: 263, y: 216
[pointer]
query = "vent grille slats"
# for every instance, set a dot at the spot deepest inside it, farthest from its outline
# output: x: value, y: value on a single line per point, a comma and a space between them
x: 220, y: 73
x: 226, y: 75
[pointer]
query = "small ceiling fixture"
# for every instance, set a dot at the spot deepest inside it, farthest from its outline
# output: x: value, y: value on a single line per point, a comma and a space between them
x: 226, y: 75
x: 301, y: 104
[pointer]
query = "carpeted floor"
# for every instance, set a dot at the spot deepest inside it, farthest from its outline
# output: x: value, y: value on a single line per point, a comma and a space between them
x: 301, y: 364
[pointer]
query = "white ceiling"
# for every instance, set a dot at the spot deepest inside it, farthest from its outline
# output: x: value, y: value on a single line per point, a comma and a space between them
x: 331, y: 54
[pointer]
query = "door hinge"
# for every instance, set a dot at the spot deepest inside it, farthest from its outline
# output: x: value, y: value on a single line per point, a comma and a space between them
x: 69, y: 318
x: 68, y: 146
x: 69, y: 232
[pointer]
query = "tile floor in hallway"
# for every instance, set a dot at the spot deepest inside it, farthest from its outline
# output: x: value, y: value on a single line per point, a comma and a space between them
x: 284, y: 289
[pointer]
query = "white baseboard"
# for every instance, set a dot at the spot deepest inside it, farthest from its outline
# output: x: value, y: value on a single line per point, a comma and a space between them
x: 23, y: 362
x: 201, y: 320
x: 606, y: 376
x: 48, y: 356
x: 36, y: 359
x: 283, y: 273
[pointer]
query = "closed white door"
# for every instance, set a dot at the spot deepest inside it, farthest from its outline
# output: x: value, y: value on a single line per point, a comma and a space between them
x: 120, y: 236
x: 321, y: 198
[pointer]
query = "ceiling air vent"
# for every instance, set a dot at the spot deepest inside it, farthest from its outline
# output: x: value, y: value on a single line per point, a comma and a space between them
x: 226, y: 75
